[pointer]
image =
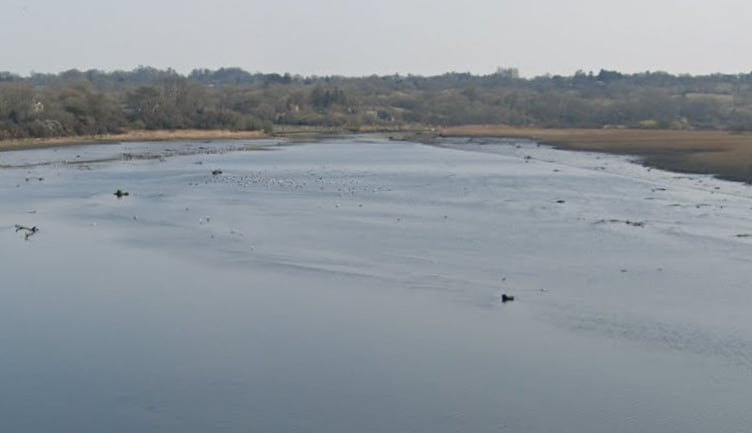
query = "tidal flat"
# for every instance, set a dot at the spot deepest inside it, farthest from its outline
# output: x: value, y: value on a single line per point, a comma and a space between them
x: 724, y: 154
x: 354, y: 284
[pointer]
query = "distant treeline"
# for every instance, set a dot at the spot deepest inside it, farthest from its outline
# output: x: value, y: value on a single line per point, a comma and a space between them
x: 95, y: 102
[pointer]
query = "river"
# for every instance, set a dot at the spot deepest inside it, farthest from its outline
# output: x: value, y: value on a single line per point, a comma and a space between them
x: 353, y: 284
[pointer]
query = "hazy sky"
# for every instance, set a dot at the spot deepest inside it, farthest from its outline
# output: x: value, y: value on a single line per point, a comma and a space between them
x: 354, y: 37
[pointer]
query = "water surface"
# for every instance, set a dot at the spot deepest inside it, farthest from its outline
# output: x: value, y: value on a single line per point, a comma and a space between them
x: 353, y: 285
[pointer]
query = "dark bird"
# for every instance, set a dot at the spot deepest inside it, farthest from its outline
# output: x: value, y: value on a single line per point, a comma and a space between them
x: 216, y: 172
x: 30, y: 231
x: 120, y: 193
x: 506, y: 298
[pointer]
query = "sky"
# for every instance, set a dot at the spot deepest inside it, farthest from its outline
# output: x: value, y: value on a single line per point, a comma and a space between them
x: 358, y: 38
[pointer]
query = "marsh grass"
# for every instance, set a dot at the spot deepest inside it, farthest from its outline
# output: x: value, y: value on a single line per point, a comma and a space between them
x: 727, y: 155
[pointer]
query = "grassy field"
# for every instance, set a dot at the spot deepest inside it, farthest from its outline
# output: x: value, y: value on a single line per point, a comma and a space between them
x: 187, y: 134
x: 724, y: 154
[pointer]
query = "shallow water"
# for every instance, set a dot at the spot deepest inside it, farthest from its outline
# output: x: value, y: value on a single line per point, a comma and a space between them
x: 354, y: 284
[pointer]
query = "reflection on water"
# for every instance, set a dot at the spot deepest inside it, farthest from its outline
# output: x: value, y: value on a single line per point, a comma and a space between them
x: 354, y: 285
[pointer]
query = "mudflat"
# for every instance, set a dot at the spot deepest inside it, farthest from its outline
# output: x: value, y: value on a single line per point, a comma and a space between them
x: 140, y: 135
x: 727, y: 155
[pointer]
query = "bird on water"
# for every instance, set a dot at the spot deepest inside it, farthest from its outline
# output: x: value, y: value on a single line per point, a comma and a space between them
x: 30, y: 231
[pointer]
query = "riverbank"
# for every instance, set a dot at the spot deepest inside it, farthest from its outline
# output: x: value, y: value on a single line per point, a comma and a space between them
x: 727, y: 155
x: 287, y: 132
x: 159, y: 135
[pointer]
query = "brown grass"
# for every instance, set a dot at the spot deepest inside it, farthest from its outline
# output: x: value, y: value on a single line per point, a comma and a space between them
x: 161, y: 135
x: 724, y: 154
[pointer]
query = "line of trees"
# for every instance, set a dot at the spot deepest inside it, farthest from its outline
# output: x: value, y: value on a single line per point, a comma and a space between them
x: 95, y: 102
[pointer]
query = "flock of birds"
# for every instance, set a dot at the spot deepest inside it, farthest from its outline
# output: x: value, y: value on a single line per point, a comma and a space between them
x: 323, y: 180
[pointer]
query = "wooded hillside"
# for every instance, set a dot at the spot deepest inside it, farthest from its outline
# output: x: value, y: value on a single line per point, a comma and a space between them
x: 95, y: 102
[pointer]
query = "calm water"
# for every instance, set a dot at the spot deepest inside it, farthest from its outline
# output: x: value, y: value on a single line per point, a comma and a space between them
x: 353, y: 285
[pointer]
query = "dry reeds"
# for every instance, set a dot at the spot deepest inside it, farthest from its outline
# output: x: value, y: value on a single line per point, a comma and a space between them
x: 725, y: 154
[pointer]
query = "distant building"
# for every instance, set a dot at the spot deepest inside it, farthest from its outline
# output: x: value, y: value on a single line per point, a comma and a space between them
x: 37, y: 107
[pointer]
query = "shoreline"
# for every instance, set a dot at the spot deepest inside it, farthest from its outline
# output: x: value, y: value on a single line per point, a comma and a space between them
x: 286, y: 132
x: 723, y: 154
x: 130, y: 136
